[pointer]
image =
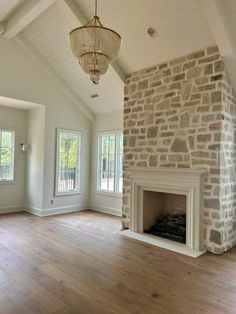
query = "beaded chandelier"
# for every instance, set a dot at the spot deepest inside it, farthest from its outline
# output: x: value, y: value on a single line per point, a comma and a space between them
x: 95, y: 46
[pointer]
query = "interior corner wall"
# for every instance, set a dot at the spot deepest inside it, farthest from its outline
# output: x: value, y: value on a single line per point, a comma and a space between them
x: 12, y: 193
x: 35, y: 159
x: 102, y: 201
x: 22, y: 78
x: 228, y: 167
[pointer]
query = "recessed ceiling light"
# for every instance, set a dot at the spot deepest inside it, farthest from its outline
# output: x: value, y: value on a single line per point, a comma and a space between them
x: 152, y: 32
x: 94, y: 95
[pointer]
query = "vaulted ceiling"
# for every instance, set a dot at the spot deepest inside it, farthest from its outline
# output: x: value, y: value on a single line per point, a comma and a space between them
x: 183, y: 26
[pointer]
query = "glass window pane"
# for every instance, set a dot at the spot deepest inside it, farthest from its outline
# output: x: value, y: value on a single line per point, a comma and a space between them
x: 120, y: 164
x: 110, y: 163
x: 6, y: 155
x: 68, y: 161
x: 6, y: 139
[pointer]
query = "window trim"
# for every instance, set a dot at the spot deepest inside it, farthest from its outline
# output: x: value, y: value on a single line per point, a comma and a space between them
x: 13, y: 131
x: 79, y: 134
x: 98, y: 183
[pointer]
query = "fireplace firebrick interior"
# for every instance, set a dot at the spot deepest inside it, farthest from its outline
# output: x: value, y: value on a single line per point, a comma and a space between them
x: 162, y: 213
x: 159, y: 203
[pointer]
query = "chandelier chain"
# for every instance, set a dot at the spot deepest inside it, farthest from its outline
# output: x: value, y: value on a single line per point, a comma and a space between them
x: 96, y: 7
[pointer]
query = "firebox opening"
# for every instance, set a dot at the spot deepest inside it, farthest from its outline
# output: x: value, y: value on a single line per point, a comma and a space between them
x: 164, y: 215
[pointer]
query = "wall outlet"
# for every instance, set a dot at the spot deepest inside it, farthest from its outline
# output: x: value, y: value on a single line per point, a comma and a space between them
x: 52, y: 201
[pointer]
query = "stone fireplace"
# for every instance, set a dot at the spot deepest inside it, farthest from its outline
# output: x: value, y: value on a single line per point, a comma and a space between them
x: 180, y: 117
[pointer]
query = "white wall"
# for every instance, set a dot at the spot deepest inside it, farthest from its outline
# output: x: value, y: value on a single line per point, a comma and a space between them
x: 57, y: 116
x: 102, y: 202
x: 22, y: 78
x: 12, y: 194
x: 35, y: 158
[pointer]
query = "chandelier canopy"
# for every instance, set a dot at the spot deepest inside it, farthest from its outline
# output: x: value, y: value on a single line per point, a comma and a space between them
x: 95, y: 46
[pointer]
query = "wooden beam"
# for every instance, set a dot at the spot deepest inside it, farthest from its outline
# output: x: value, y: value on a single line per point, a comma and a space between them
x: 73, y: 10
x: 28, y: 12
x: 51, y: 74
x: 2, y: 28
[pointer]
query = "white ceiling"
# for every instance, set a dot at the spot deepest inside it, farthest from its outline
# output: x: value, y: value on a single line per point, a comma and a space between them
x: 229, y: 7
x: 181, y: 25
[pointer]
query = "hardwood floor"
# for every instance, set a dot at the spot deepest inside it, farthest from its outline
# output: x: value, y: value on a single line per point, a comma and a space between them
x: 79, y: 263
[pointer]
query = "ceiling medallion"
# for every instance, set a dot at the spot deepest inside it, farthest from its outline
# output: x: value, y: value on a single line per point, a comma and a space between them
x: 95, y: 46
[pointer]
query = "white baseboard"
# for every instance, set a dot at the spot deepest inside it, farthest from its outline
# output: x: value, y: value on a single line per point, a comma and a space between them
x: 107, y: 210
x: 54, y: 210
x: 11, y: 209
x: 59, y: 210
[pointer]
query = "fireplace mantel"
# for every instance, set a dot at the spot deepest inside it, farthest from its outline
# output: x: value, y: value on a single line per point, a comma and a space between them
x: 188, y: 182
x: 136, y: 172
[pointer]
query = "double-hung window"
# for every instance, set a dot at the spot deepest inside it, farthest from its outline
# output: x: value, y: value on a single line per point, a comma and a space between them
x: 68, y: 162
x: 7, y: 145
x: 110, y: 162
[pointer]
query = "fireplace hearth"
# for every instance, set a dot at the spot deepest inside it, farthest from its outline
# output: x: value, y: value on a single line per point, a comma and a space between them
x: 170, y: 226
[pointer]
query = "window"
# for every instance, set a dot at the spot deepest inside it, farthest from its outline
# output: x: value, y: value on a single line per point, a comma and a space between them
x: 110, y: 162
x: 68, y: 162
x: 7, y: 143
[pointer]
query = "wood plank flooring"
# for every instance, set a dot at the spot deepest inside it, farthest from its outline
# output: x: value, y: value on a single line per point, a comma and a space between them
x: 78, y: 263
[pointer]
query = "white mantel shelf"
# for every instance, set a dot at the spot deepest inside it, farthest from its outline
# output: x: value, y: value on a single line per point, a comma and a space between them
x: 165, y: 170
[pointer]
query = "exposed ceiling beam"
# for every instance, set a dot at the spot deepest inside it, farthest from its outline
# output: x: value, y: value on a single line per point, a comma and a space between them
x: 50, y: 72
x: 220, y: 29
x: 29, y: 11
x: 2, y: 28
x: 73, y: 10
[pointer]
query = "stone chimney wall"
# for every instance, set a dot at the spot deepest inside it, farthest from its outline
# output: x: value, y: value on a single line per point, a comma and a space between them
x: 182, y: 114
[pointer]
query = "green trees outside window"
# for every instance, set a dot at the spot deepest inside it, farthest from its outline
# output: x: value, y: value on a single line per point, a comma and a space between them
x: 7, y: 139
x: 68, y: 161
x: 110, y: 162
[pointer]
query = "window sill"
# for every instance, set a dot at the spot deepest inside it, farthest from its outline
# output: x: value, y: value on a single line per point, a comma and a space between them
x: 8, y: 182
x: 67, y: 193
x: 110, y: 194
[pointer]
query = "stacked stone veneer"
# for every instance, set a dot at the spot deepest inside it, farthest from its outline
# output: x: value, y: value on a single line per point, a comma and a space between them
x: 182, y: 114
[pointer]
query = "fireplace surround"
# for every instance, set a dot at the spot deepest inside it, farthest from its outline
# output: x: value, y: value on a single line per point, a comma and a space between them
x: 186, y: 182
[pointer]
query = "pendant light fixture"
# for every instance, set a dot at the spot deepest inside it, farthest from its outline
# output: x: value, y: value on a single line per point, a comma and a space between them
x: 95, y: 46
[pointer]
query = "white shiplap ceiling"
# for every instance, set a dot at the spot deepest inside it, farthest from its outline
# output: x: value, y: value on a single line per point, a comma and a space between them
x: 181, y: 25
